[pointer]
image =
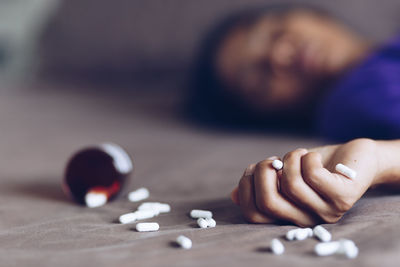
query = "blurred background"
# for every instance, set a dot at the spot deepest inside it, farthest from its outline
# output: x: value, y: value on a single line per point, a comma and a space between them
x: 130, y: 41
x: 80, y: 72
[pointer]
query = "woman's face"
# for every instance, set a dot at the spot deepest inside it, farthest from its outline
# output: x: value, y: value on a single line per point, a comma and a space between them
x: 277, y: 63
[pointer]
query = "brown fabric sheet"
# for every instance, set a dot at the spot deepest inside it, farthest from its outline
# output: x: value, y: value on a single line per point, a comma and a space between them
x: 185, y: 166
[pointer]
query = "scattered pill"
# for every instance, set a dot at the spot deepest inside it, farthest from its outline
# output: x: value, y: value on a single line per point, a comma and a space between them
x: 301, y: 234
x: 200, y: 214
x: 277, y: 246
x: 346, y: 171
x: 211, y: 222
x: 161, y: 207
x: 147, y: 227
x: 327, y: 248
x: 310, y: 232
x: 102, y: 169
x: 139, y: 194
x: 95, y: 199
x: 277, y: 164
x: 184, y: 242
x: 202, y: 223
x: 322, y: 234
x: 137, y: 215
x: 348, y: 248
x: 344, y: 246
x: 290, y: 234
x: 127, y: 218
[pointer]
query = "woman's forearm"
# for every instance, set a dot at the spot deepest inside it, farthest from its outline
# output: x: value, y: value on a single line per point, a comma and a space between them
x: 388, y: 155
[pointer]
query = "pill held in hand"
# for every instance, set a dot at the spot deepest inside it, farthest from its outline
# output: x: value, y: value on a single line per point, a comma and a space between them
x: 277, y: 164
x: 346, y: 171
x: 96, y: 175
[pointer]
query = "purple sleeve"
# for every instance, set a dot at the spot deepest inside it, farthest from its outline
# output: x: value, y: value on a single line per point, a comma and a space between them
x: 366, y: 103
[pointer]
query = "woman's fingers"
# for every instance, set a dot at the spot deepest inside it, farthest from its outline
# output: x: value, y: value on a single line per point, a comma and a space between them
x: 295, y: 188
x: 329, y: 185
x: 271, y: 202
x: 235, y: 196
x: 247, y: 201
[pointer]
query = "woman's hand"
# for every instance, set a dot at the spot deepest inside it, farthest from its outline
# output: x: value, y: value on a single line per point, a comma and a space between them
x: 307, y: 190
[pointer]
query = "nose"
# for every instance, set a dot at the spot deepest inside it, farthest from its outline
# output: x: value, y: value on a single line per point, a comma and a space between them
x: 283, y: 54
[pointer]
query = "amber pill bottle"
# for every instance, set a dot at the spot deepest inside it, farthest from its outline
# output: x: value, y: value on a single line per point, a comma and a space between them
x: 97, y: 174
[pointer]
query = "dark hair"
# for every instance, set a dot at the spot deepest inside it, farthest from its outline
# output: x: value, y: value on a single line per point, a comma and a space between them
x: 207, y: 101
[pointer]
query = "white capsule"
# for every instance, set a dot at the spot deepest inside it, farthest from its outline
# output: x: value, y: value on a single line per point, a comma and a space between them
x: 184, y: 242
x: 127, y: 218
x: 277, y: 247
x: 161, y: 207
x: 346, y: 171
x: 322, y: 234
x: 139, y: 194
x: 95, y: 199
x: 202, y: 223
x: 290, y: 234
x: 277, y: 164
x: 310, y: 232
x: 137, y: 215
x: 211, y: 222
x: 147, y: 227
x: 327, y: 248
x: 348, y: 248
x: 301, y: 234
x: 201, y: 214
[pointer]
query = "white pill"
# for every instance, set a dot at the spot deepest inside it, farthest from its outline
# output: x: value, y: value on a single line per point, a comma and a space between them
x: 201, y: 214
x: 211, y: 222
x: 277, y: 164
x: 310, y: 232
x: 277, y: 247
x: 161, y: 207
x: 137, y: 215
x: 348, y: 248
x: 290, y: 234
x: 327, y: 248
x: 184, y: 242
x: 147, y: 227
x: 139, y: 194
x: 95, y: 199
x: 301, y: 234
x: 127, y: 218
x: 202, y: 223
x: 346, y: 171
x: 322, y: 234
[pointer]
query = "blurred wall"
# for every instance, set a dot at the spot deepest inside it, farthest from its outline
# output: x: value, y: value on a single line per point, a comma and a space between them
x: 127, y: 38
x: 21, y: 22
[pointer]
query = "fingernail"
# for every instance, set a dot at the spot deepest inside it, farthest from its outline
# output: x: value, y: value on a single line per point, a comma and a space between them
x: 272, y: 158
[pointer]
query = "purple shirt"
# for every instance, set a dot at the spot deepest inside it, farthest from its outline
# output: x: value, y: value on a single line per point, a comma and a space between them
x: 366, y: 103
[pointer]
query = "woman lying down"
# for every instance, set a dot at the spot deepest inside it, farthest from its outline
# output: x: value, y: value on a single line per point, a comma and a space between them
x: 301, y: 67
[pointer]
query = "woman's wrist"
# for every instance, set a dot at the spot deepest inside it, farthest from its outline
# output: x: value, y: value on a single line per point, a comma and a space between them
x: 388, y: 159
